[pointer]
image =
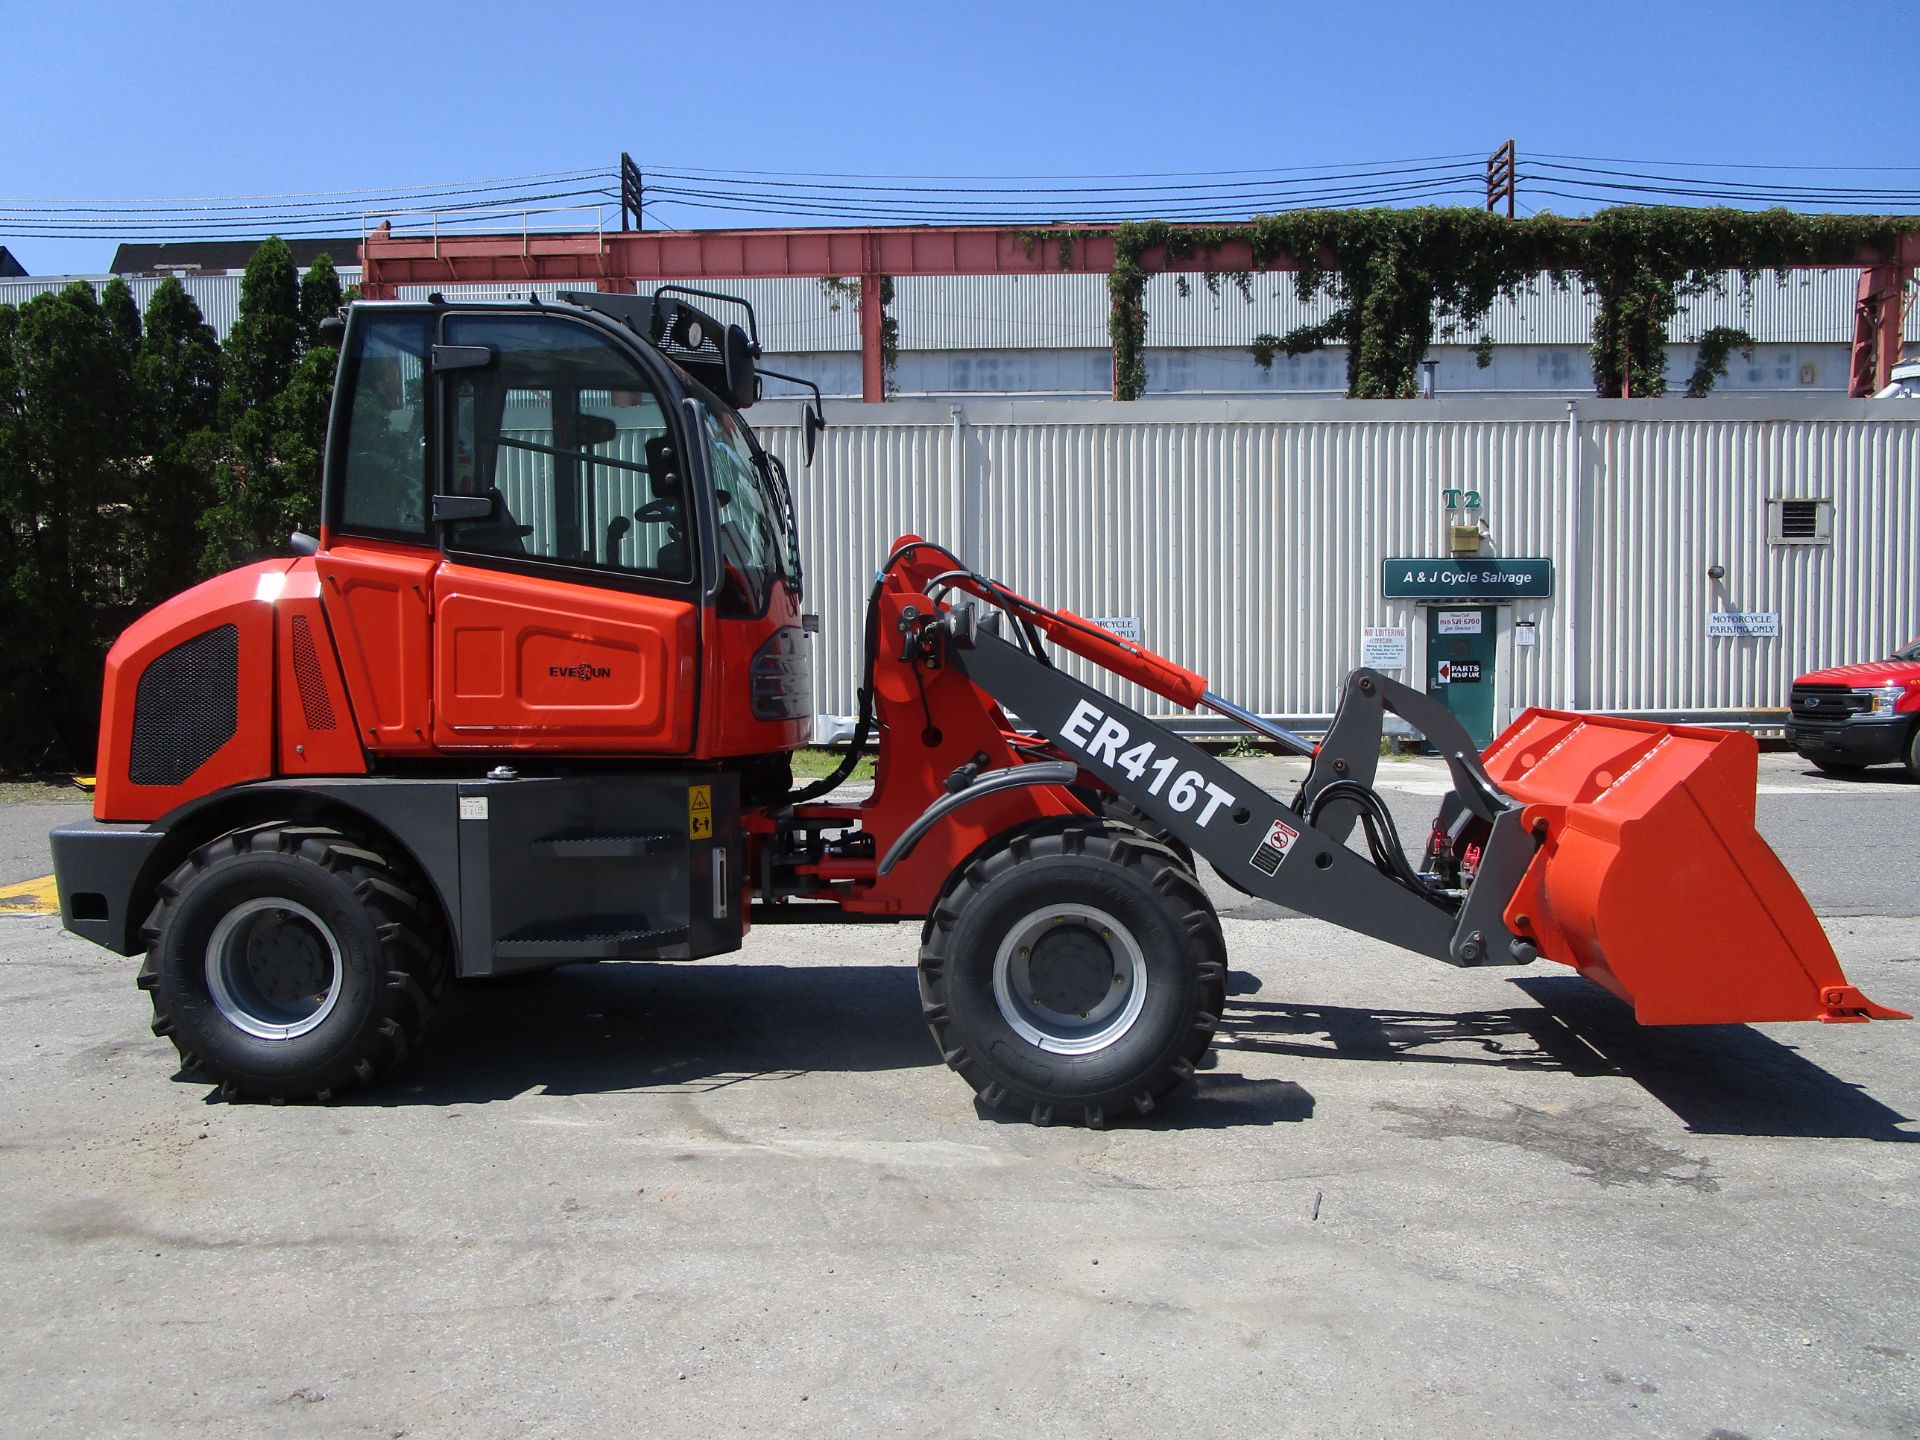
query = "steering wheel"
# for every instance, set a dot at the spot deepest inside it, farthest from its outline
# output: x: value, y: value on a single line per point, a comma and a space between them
x: 658, y: 512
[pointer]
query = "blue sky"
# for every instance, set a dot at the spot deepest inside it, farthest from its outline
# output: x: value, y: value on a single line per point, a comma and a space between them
x: 119, y: 101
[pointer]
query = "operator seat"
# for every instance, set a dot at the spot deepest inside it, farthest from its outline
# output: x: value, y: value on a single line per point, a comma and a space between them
x: 663, y: 478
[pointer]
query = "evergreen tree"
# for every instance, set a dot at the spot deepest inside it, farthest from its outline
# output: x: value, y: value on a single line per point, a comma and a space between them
x: 265, y: 339
x: 123, y: 315
x: 177, y: 384
x: 320, y: 297
x: 259, y: 495
x: 66, y: 462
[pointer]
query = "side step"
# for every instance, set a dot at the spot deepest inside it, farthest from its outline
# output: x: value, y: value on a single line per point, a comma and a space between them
x: 612, y: 939
x: 584, y: 845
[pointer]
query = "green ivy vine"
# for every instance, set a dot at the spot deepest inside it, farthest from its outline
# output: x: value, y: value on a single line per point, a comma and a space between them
x: 839, y: 287
x: 1716, y: 345
x: 1401, y: 280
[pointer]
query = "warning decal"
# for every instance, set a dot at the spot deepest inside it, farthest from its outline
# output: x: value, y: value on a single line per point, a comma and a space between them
x: 699, y: 812
x: 1273, y: 849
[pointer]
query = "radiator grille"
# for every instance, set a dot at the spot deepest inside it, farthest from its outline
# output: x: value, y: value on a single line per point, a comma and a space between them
x: 186, y: 707
x: 315, y: 708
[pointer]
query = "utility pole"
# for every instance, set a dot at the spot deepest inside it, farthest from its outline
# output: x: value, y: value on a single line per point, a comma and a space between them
x: 632, y: 193
x: 1500, y: 178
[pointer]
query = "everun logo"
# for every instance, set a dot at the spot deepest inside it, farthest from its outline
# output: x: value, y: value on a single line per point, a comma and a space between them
x: 579, y: 672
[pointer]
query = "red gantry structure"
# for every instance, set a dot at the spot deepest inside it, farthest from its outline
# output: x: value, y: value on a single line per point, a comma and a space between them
x: 621, y: 261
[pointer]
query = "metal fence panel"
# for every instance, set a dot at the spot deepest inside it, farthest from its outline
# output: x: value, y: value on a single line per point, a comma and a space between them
x: 1246, y: 537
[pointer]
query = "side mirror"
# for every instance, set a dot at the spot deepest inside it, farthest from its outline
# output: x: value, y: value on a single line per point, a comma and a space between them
x: 813, y: 419
x: 812, y: 422
x: 743, y: 383
x: 331, y: 331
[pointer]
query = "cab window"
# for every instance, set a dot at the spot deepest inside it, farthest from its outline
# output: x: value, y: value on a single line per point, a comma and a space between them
x: 567, y: 437
x: 382, y: 476
x: 754, y: 540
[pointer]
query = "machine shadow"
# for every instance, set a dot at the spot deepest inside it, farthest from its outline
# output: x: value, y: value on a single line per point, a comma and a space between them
x: 1718, y: 1079
x: 600, y: 1029
x: 592, y: 1029
x: 1215, y: 1100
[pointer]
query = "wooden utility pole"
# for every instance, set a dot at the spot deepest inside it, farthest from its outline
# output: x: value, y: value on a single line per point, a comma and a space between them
x: 1500, y: 178
x: 632, y: 194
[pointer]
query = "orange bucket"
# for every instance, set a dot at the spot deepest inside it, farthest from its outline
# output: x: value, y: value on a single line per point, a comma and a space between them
x: 1651, y: 879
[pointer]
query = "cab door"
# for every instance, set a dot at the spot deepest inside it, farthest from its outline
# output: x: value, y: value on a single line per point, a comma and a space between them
x: 377, y: 554
x: 566, y: 612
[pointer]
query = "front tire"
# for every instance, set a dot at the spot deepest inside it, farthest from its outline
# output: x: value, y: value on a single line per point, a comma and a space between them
x: 1838, y: 767
x: 1913, y: 753
x: 1074, y: 974
x: 291, y: 962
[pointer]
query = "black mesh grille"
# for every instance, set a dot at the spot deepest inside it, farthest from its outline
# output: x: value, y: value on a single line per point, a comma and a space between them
x: 315, y: 707
x: 186, y: 707
x: 1827, y: 702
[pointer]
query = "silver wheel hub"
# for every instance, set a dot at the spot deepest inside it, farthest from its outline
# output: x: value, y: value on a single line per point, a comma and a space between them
x: 1069, y: 979
x: 273, y: 969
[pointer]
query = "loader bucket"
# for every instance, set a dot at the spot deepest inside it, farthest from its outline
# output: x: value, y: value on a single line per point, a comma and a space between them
x: 1651, y: 879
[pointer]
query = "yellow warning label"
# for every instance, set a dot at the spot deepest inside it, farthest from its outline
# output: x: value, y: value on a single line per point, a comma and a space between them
x: 699, y: 812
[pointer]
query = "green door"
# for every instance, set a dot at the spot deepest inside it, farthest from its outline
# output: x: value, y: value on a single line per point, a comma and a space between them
x: 1460, y: 649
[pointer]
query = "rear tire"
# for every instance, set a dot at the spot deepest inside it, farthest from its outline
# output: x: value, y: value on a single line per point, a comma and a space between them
x: 1074, y: 974
x: 291, y: 962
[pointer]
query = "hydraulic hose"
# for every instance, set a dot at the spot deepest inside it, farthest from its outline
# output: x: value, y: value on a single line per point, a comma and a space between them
x: 1383, y: 838
x: 863, y: 726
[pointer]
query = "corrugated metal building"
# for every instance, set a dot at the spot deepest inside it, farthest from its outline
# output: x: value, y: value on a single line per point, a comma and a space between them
x: 1046, y: 335
x: 218, y: 296
x: 1248, y: 537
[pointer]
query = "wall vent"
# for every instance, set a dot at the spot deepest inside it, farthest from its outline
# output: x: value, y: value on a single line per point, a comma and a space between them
x: 1800, y: 521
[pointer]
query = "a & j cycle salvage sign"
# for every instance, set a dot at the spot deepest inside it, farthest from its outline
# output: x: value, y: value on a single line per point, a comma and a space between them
x: 1493, y: 578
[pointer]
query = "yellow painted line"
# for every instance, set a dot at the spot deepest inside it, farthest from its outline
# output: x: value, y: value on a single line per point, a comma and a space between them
x: 30, y: 897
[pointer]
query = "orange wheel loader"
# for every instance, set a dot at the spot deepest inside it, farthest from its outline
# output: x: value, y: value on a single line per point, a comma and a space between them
x: 529, y: 699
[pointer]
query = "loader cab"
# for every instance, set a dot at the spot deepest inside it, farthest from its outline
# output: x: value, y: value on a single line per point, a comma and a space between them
x: 547, y: 530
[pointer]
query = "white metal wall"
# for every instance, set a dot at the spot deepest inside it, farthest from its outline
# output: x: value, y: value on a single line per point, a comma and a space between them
x: 1670, y: 500
x: 218, y: 296
x: 1247, y: 536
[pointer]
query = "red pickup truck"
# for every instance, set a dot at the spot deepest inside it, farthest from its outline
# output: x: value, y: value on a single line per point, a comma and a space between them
x: 1853, y: 716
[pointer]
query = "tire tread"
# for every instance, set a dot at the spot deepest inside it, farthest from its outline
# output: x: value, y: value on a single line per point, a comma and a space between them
x: 416, y: 959
x: 1163, y: 871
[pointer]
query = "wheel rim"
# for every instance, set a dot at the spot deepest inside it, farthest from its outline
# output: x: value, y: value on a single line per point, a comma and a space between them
x: 1070, y: 979
x: 273, y: 969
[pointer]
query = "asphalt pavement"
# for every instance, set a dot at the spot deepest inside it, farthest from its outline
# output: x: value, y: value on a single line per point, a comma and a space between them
x: 743, y: 1197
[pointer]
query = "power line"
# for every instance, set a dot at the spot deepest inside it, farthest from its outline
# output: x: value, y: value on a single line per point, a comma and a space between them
x: 1140, y: 175
x: 1729, y: 164
x: 462, y: 210
x: 439, y: 188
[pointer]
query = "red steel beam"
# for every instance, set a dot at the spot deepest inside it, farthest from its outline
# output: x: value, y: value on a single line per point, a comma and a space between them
x: 617, y: 261
x: 767, y: 254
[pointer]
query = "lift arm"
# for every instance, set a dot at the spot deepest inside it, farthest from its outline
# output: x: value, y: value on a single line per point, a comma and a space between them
x: 1292, y: 856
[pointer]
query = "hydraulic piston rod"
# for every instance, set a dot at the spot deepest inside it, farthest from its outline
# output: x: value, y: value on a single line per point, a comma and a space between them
x: 1279, y: 734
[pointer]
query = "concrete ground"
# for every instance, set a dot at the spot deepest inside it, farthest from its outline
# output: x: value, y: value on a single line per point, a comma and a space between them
x: 741, y: 1197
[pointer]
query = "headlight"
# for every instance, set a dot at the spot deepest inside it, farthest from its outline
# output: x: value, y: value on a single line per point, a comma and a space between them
x: 1883, y: 699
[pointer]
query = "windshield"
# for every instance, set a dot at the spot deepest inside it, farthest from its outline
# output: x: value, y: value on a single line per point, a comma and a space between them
x: 1909, y: 651
x: 754, y: 534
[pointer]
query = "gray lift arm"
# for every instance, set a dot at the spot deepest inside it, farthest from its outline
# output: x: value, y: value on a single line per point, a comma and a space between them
x: 1259, y: 844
